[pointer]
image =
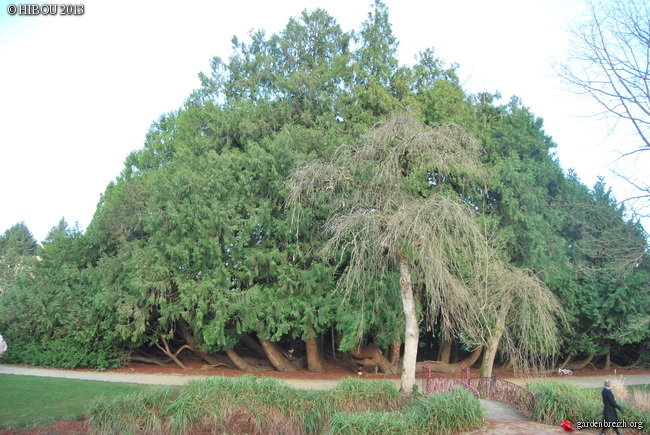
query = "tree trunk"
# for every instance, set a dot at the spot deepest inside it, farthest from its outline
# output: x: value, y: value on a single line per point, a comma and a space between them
x: 371, y: 356
x: 566, y: 361
x: 506, y: 367
x: 239, y: 362
x: 454, y: 352
x: 580, y: 364
x: 315, y: 360
x: 493, y: 342
x: 194, y: 345
x: 488, y: 356
x: 169, y: 353
x: 149, y: 359
x: 274, y: 355
x: 411, y: 332
x: 333, y: 344
x: 438, y: 367
x: 252, y: 345
x: 395, y: 352
x: 445, y: 351
x: 608, y: 360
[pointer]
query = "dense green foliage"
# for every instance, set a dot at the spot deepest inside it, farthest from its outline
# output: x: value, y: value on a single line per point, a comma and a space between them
x: 193, y: 247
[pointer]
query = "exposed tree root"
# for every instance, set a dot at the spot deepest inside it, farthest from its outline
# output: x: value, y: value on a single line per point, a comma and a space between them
x: 240, y: 363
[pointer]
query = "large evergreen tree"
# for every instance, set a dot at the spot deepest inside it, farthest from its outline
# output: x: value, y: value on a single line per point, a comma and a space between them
x: 192, y: 248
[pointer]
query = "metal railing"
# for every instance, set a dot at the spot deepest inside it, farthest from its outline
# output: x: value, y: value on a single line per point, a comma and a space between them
x: 491, y: 388
x: 443, y: 384
x: 507, y: 392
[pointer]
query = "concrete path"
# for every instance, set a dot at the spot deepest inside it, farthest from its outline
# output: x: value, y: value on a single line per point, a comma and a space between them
x: 305, y: 384
x: 497, y: 411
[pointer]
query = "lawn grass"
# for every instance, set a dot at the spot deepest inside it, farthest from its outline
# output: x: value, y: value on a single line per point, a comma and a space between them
x: 32, y: 400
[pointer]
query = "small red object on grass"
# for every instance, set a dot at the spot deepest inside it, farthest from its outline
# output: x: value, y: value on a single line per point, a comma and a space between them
x: 566, y: 424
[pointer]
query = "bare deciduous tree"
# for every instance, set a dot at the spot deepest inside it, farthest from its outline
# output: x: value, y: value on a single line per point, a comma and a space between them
x: 609, y: 61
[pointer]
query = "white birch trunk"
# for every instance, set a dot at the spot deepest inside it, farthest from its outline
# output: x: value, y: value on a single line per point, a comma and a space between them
x: 411, y: 335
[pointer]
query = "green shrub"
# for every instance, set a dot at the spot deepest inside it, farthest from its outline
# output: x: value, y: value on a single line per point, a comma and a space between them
x: 64, y: 352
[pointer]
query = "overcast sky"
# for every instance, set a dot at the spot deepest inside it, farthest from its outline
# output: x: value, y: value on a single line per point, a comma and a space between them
x: 78, y: 93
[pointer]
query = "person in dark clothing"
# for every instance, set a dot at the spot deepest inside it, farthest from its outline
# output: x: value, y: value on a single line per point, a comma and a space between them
x: 610, y: 406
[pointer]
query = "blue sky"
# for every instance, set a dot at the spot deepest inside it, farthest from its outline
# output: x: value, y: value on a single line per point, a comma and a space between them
x: 78, y: 93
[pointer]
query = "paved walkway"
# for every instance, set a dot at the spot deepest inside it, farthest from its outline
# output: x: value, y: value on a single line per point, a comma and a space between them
x: 497, y: 411
x: 304, y: 384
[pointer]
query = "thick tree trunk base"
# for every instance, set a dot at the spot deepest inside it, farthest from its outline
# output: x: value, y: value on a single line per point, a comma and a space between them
x: 240, y: 363
x: 372, y: 356
x: 315, y: 360
x: 252, y: 345
x: 395, y: 353
x: 276, y: 357
x: 444, y: 355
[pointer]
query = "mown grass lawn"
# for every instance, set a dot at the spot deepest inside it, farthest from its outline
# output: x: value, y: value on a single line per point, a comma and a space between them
x: 29, y: 400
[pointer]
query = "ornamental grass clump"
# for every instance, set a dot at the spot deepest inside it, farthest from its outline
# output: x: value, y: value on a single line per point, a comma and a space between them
x: 558, y: 401
x: 446, y: 413
x: 245, y: 404
x: 252, y: 405
x: 135, y: 413
x: 369, y: 423
x: 353, y: 395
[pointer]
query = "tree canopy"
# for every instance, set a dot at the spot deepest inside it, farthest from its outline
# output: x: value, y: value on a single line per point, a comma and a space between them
x: 316, y: 202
